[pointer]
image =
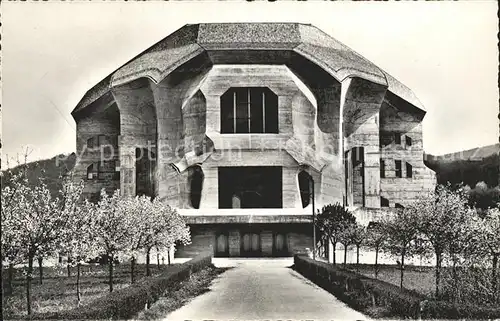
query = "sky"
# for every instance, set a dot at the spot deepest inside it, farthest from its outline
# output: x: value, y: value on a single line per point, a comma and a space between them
x: 53, y: 52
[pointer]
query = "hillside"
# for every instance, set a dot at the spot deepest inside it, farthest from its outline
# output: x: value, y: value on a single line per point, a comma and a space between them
x: 51, y: 169
x: 469, y: 166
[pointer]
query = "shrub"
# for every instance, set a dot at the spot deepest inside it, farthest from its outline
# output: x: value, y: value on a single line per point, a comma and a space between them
x: 127, y: 302
x: 381, y: 299
x: 361, y: 292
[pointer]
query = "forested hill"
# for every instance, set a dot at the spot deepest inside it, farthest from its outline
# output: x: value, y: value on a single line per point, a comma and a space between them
x: 469, y: 166
x: 50, y: 169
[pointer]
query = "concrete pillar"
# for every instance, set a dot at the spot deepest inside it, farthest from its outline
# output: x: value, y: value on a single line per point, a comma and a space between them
x: 210, y: 191
x: 266, y: 241
x: 127, y: 167
x: 361, y: 127
x: 234, y: 243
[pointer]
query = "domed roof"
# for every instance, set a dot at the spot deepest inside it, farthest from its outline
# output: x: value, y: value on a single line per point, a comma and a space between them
x: 190, y: 41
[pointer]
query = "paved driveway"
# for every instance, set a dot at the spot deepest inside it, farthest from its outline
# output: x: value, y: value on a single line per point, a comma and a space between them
x: 263, y: 289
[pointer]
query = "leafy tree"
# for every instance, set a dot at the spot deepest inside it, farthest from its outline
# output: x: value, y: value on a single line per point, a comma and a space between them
x: 401, y: 228
x: 375, y: 238
x: 442, y: 217
x: 358, y: 238
x: 482, y: 196
x: 346, y: 237
x: 490, y: 231
x: 332, y: 221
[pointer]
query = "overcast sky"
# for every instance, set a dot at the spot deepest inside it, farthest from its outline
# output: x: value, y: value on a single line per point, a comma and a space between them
x: 52, y: 53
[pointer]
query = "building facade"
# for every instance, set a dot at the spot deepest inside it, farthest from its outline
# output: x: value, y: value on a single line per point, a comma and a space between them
x: 236, y: 125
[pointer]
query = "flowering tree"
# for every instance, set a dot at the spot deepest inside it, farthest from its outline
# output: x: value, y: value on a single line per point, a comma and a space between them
x: 113, y: 228
x: 13, y: 204
x: 332, y: 221
x: 79, y: 243
x: 161, y: 227
x: 490, y: 231
x: 401, y: 229
x: 38, y: 224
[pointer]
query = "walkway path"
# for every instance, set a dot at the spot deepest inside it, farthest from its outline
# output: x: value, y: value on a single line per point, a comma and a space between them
x: 264, y: 289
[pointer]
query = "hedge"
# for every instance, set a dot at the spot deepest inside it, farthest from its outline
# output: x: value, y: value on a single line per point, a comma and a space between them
x: 127, y: 302
x: 388, y: 300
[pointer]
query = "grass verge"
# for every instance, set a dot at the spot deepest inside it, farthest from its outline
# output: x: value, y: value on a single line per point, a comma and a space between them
x: 181, y: 293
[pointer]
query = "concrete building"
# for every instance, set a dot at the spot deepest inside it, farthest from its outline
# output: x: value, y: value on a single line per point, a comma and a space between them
x: 235, y: 124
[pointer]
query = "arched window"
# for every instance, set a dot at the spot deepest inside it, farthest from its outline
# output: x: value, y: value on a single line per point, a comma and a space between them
x: 249, y: 110
x: 305, y: 181
x: 196, y: 185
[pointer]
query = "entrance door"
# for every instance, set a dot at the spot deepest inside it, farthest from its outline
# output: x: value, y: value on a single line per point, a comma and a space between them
x: 280, y: 247
x: 250, y: 244
x: 221, y: 245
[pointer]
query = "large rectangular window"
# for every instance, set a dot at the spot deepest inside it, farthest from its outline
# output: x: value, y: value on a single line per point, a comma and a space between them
x: 250, y: 187
x: 409, y: 170
x: 382, y: 168
x: 398, y: 169
x: 249, y: 110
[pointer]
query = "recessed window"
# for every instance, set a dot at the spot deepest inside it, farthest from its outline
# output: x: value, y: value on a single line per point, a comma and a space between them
x: 408, y: 141
x: 384, y: 202
x: 397, y: 138
x: 398, y: 168
x: 249, y: 110
x: 382, y: 168
x: 196, y: 185
x: 305, y: 181
x: 250, y: 187
x: 409, y: 170
x: 90, y: 171
x: 101, y: 140
x: 91, y: 142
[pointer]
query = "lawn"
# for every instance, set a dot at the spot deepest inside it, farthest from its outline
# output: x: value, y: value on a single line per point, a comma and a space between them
x: 58, y: 291
x: 418, y: 278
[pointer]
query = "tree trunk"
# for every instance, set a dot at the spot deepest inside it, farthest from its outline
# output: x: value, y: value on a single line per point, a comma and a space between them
x: 10, y: 277
x: 334, y: 250
x: 40, y: 270
x: 376, y: 262
x: 132, y: 270
x: 69, y: 266
x: 438, y: 273
x: 78, y: 296
x: 157, y: 259
x: 148, y: 270
x: 357, y: 258
x: 345, y: 255
x: 455, y: 278
x: 494, y: 281
x: 29, y: 277
x: 110, y: 263
x: 168, y: 257
x: 402, y: 269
